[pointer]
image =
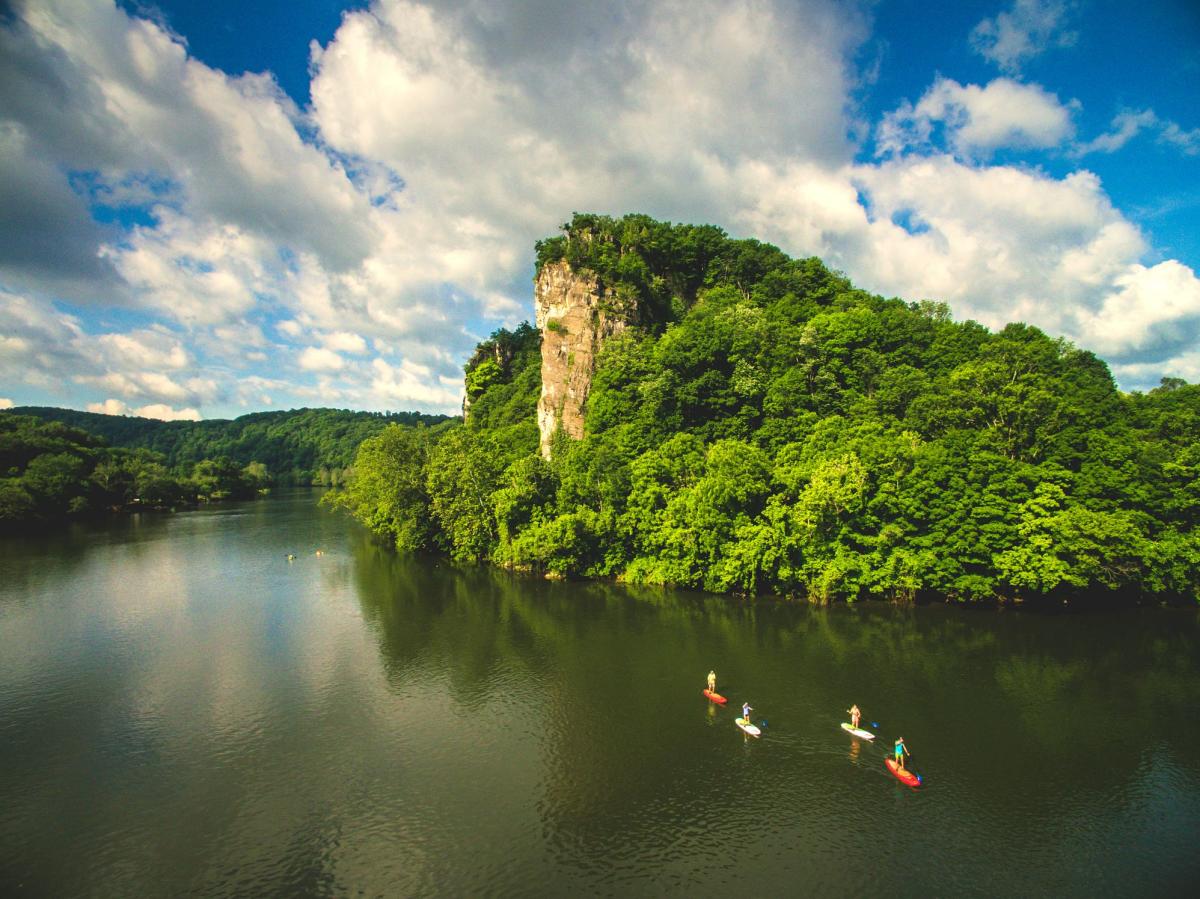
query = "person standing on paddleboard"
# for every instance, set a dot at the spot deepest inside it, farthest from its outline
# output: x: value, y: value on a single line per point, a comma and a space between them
x: 746, y: 710
x: 855, y: 714
x: 901, y: 752
x: 712, y: 682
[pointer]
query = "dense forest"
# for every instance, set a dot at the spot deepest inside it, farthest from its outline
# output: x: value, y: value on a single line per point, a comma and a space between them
x: 768, y: 427
x: 50, y: 471
x: 60, y: 463
x: 297, y: 447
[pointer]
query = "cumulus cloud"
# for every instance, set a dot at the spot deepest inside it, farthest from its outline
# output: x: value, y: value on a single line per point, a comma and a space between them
x: 196, y: 272
x: 5, y: 403
x: 154, y: 347
x: 49, y: 349
x: 410, y: 383
x: 1019, y: 34
x: 494, y: 156
x: 355, y: 251
x: 154, y: 410
x: 977, y: 120
x: 1000, y: 243
x: 98, y: 89
x: 49, y: 236
x: 1151, y: 312
x: 150, y: 384
x: 320, y: 359
x: 345, y: 342
x: 38, y: 344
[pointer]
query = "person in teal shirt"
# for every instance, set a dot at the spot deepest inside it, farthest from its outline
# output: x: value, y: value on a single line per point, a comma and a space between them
x: 901, y: 752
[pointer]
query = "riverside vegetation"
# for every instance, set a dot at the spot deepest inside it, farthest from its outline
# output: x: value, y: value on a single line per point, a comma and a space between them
x: 60, y: 463
x: 765, y: 426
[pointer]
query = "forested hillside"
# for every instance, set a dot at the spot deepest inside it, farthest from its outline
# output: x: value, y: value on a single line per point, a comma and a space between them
x: 768, y: 427
x: 300, y: 446
x: 50, y: 471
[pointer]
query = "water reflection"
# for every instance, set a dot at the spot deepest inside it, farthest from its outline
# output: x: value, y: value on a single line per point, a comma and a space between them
x: 1005, y: 710
x: 184, y: 711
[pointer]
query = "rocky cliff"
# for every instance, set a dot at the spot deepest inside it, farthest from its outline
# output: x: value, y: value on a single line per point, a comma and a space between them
x: 576, y: 313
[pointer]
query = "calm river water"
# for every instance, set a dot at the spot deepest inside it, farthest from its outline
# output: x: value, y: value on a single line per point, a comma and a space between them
x: 183, y: 711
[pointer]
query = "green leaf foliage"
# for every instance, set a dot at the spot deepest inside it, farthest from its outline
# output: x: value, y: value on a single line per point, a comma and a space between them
x: 50, y: 472
x: 297, y: 447
x: 388, y: 491
x: 768, y: 427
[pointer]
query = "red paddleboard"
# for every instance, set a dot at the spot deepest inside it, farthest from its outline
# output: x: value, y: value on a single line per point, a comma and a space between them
x: 903, y: 774
x: 715, y: 697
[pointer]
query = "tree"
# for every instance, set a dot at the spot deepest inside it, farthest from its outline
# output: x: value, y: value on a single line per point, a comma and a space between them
x: 387, y: 491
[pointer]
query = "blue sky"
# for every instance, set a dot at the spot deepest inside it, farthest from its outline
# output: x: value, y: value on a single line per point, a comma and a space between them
x: 217, y: 207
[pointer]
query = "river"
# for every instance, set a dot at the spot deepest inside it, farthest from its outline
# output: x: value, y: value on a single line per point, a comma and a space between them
x: 184, y: 711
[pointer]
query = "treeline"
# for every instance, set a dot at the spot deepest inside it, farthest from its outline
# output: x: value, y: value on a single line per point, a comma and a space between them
x: 771, y: 428
x: 297, y: 447
x: 50, y: 472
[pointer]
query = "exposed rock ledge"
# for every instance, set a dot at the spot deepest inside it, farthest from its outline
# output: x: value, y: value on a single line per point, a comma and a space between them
x: 576, y: 314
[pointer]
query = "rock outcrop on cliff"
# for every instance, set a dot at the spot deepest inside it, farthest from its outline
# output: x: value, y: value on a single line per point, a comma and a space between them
x: 576, y: 313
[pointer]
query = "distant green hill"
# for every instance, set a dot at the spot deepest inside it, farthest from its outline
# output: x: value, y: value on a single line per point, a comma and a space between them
x: 299, y: 446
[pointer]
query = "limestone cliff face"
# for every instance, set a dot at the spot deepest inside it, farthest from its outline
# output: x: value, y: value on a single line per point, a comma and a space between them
x: 576, y: 314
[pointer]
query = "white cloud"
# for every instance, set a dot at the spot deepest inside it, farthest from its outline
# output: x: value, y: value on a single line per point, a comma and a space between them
x: 1128, y: 124
x: 978, y: 120
x: 1125, y: 127
x: 256, y: 392
x: 44, y: 348
x: 371, y: 240
x: 320, y: 359
x: 124, y: 94
x: 1147, y: 375
x: 49, y: 238
x: 497, y: 155
x: 39, y: 345
x: 196, y: 272
x: 1027, y: 30
x: 1187, y: 140
x: 345, y: 342
x: 109, y: 407
x: 409, y: 383
x: 1153, y: 310
x: 999, y: 243
x: 150, y: 384
x: 154, y: 410
x: 5, y: 403
x: 166, y: 413
x: 147, y: 348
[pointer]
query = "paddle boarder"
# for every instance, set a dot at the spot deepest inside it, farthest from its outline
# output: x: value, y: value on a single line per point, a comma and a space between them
x: 712, y: 682
x: 901, y: 752
x: 855, y: 714
x: 746, y: 710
